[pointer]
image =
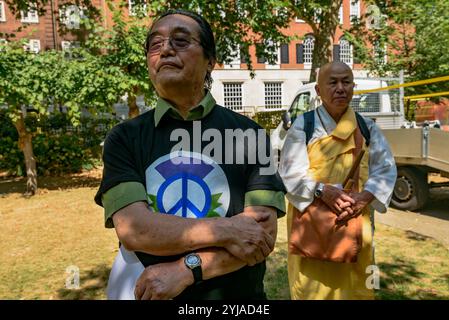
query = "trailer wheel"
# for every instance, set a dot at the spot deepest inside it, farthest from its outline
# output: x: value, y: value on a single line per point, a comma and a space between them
x: 411, y: 190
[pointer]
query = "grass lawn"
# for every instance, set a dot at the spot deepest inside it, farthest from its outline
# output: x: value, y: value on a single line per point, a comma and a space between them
x: 411, y: 266
x: 62, y: 227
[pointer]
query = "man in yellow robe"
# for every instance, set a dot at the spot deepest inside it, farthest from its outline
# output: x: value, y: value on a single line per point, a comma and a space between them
x: 317, y: 169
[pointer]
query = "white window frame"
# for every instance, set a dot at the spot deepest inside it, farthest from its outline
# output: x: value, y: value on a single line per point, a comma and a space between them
x: 2, y: 11
x: 30, y: 16
x: 308, y: 56
x: 71, y: 16
x: 346, y: 52
x: 354, y: 10
x: 67, y: 45
x: 341, y: 14
x: 275, y: 86
x: 277, y: 62
x: 316, y: 18
x: 233, y: 106
x: 132, y: 13
x: 33, y: 45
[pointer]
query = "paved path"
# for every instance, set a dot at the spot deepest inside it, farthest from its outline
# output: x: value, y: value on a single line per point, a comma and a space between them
x: 432, y: 221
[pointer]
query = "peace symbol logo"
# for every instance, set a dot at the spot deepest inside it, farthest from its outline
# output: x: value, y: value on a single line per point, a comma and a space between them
x: 191, y: 189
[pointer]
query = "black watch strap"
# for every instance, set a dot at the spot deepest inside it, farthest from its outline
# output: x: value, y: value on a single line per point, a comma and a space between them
x: 197, y: 274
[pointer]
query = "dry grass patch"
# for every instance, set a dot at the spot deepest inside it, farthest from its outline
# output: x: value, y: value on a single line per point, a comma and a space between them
x: 62, y: 226
x: 412, y: 266
x: 44, y: 235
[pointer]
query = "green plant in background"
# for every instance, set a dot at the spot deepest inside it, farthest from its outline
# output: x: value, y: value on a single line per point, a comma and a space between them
x: 408, y: 35
x: 45, y: 83
x: 268, y: 120
x: 121, y: 46
x: 59, y: 147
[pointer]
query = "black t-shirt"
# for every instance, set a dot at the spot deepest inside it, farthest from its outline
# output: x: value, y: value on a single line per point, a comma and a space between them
x: 190, y: 184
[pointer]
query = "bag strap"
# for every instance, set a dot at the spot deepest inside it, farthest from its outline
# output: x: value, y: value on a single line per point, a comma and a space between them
x: 358, y: 148
x: 361, y: 123
x: 309, y: 127
x: 309, y: 124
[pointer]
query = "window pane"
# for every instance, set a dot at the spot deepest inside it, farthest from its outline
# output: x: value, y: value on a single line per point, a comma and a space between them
x: 309, y: 42
x: 233, y: 96
x: 300, y: 105
x: 2, y: 11
x: 273, y: 95
x: 346, y: 51
x: 354, y: 11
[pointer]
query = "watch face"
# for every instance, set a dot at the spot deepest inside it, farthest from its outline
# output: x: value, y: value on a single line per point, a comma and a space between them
x: 319, y: 190
x: 193, y: 260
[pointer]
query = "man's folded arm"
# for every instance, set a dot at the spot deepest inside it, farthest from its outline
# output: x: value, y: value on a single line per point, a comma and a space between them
x: 140, y: 229
x: 218, y: 261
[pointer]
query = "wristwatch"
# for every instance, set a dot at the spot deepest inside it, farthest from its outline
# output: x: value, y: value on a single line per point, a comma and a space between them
x: 193, y: 262
x: 319, y: 190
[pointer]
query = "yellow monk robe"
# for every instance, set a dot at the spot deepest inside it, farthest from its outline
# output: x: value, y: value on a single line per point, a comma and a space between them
x: 330, y: 160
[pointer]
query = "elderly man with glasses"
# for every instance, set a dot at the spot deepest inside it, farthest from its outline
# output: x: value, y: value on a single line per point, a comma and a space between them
x: 189, y: 227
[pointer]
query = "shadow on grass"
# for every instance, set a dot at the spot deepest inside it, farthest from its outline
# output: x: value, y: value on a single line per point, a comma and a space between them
x: 416, y: 236
x: 18, y: 185
x: 276, y: 277
x: 438, y: 204
x: 397, y: 278
x: 92, y: 285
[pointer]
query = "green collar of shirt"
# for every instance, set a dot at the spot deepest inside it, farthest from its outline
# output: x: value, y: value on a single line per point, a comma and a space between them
x: 200, y: 111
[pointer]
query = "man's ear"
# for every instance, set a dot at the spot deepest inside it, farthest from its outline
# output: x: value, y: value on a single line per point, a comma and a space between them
x: 317, y: 89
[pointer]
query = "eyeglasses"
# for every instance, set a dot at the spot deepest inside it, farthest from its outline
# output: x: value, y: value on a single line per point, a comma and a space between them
x: 177, y: 42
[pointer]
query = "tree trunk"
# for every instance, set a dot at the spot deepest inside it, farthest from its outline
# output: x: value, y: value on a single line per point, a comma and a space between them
x: 132, y: 104
x: 324, y: 38
x: 407, y: 110
x: 322, y: 53
x: 25, y: 144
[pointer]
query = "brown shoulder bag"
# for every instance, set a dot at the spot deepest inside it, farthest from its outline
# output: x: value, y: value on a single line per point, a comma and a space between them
x: 315, y: 233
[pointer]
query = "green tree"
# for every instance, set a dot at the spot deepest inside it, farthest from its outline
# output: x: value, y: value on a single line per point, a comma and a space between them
x: 409, y: 35
x: 122, y: 46
x: 237, y: 26
x: 42, y: 82
x: 322, y: 17
x: 23, y: 83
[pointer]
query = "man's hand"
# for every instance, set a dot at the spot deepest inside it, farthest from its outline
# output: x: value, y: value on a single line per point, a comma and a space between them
x: 265, y: 216
x: 247, y: 238
x: 163, y: 281
x: 338, y: 200
x: 362, y: 199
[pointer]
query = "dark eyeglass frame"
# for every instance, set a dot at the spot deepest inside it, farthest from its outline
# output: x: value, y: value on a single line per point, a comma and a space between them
x: 172, y: 41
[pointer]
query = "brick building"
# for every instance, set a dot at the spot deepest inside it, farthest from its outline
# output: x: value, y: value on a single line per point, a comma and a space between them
x: 273, y: 87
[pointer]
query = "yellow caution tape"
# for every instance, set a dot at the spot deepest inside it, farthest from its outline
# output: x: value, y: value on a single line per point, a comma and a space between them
x: 407, y: 84
x: 427, y: 95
